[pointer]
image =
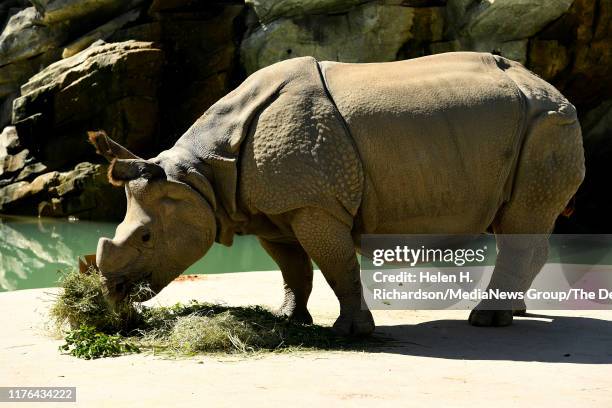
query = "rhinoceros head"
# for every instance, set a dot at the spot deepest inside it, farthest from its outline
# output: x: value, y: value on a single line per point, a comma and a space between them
x: 167, y: 226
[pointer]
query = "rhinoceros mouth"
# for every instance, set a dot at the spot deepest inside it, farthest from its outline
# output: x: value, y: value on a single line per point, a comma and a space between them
x: 133, y: 290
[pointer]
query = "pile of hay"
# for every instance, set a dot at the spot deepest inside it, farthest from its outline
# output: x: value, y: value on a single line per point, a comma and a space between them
x: 82, y: 302
x: 182, y: 329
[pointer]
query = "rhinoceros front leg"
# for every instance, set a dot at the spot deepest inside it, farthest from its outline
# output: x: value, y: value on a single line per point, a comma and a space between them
x: 296, y: 267
x: 329, y: 243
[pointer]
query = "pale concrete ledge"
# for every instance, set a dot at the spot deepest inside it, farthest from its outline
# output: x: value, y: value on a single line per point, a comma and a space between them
x: 434, y: 359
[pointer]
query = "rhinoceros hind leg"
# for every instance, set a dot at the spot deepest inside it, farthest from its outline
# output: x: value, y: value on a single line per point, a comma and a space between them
x: 550, y: 169
x: 329, y: 243
x: 520, y: 259
x: 487, y: 318
x: 296, y: 267
x: 521, y: 311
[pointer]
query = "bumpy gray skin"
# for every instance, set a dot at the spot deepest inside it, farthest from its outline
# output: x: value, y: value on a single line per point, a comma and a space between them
x: 308, y: 156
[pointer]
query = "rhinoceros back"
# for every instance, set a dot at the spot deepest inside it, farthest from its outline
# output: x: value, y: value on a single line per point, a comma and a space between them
x: 438, y: 137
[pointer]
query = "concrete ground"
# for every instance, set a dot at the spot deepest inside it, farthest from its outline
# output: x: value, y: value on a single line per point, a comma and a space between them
x: 430, y: 358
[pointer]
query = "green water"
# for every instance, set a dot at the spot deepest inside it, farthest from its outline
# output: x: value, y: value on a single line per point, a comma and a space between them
x: 33, y: 250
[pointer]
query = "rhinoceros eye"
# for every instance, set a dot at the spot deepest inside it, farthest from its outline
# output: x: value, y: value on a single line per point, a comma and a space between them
x: 146, y: 237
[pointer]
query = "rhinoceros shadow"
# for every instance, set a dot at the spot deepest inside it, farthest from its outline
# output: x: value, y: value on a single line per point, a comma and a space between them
x: 541, y: 338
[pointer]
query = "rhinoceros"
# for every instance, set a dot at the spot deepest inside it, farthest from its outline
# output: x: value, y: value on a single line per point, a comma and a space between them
x: 309, y: 155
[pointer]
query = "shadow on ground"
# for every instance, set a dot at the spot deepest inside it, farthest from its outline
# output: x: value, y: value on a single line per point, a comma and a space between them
x: 541, y: 338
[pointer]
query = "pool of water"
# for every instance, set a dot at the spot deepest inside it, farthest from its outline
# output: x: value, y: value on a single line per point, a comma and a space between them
x: 33, y: 251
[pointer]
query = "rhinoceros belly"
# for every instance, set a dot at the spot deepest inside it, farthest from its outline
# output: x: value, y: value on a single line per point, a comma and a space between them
x: 438, y: 137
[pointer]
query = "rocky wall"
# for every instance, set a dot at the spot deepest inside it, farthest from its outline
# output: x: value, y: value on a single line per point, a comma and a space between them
x: 144, y: 70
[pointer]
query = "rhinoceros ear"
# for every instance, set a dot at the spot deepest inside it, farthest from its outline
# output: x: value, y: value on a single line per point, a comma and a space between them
x: 122, y: 170
x: 108, y: 148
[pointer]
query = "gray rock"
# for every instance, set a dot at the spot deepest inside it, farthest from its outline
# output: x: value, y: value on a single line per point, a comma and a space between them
x: 24, y: 37
x: 182, y: 6
x: 141, y: 32
x: 13, y: 75
x: 12, y: 192
x: 548, y: 58
x: 100, y: 33
x: 371, y: 32
x: 72, y: 181
x: 503, y: 20
x: 9, y: 141
x: 10, y: 7
x: 13, y: 158
x: 201, y: 62
x: 16, y: 163
x: 428, y: 26
x: 54, y: 11
x: 268, y: 10
x: 30, y: 170
x: 500, y: 27
x: 82, y: 191
x: 418, y: 3
x: 597, y: 124
x: 6, y: 108
x: 10, y: 163
x: 62, y: 73
x: 107, y: 86
x: 514, y: 50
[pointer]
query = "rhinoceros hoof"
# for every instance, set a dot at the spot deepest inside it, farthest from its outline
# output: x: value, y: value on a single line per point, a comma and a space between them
x: 520, y: 309
x: 359, y: 323
x: 520, y: 312
x: 295, y: 315
x: 490, y: 317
